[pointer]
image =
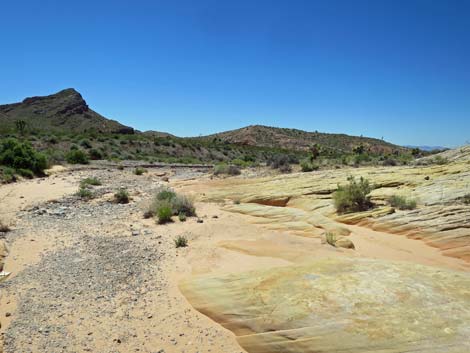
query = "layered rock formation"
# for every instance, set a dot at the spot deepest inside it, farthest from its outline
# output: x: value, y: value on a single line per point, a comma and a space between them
x: 302, y: 202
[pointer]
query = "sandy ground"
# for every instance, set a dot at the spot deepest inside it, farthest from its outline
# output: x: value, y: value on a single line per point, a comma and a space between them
x: 163, y: 321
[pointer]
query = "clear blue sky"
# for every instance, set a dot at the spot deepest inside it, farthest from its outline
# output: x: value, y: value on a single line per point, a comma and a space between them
x: 393, y: 68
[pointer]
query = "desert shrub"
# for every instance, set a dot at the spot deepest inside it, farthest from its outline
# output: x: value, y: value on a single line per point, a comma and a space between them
x: 182, y: 217
x: 120, y: 167
x: 21, y: 155
x: 353, y: 197
x: 165, y: 194
x: 308, y: 166
x: 4, y: 228
x: 389, y: 162
x: 85, y: 143
x: 76, y: 157
x: 181, y: 241
x: 7, y: 175
x: 278, y: 161
x: 95, y: 154
x: 183, y: 204
x: 140, y: 171
x: 90, y: 181
x: 26, y: 173
x: 402, y: 203
x: 53, y: 140
x: 285, y: 168
x: 223, y: 168
x: 178, y: 204
x: 330, y: 238
x: 122, y: 196
x: 164, y: 212
x: 85, y: 193
x: 440, y: 160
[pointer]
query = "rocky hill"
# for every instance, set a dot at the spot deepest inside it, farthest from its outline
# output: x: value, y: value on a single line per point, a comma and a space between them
x: 65, y: 111
x: 293, y: 139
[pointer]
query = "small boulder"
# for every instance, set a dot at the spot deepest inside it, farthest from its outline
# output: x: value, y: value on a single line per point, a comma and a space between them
x: 344, y: 243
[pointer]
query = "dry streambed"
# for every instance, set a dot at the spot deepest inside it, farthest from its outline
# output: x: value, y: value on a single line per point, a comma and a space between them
x: 110, y: 281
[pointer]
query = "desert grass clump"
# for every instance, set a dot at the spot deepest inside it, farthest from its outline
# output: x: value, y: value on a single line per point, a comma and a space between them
x: 330, y: 238
x: 140, y: 171
x: 182, y: 217
x: 122, y: 196
x: 402, y: 203
x: 90, y: 181
x: 181, y: 241
x: 85, y: 193
x: 353, y: 197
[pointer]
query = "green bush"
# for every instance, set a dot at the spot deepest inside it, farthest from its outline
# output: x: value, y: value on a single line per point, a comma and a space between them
x: 26, y: 173
x: 402, y: 203
x: 181, y: 241
x: 308, y: 166
x: 140, y: 171
x: 21, y: 155
x: 76, y: 157
x: 353, y: 197
x: 95, y: 154
x: 85, y: 193
x: 90, y: 181
x: 7, y: 175
x: 122, y: 196
x: 164, y: 212
x: 85, y: 143
x: 178, y: 204
x: 182, y: 217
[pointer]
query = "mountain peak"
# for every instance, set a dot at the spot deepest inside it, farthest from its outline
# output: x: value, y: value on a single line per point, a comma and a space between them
x: 65, y: 110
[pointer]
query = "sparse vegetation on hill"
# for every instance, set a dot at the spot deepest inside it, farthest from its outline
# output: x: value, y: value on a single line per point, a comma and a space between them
x: 59, y: 123
x: 353, y: 197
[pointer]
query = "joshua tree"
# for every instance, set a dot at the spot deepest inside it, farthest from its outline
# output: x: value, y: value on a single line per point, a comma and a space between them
x: 20, y: 126
x: 315, y: 150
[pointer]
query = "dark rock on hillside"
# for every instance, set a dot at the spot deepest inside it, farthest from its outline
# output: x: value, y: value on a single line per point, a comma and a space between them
x: 65, y: 111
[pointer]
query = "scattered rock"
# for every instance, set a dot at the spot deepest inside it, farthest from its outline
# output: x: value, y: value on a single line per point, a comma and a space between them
x: 344, y: 243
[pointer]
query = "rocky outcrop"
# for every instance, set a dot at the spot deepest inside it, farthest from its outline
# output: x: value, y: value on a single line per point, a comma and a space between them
x: 441, y: 218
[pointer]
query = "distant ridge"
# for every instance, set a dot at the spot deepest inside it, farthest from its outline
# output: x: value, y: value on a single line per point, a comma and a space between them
x: 294, y: 139
x: 64, y: 111
x: 428, y: 148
